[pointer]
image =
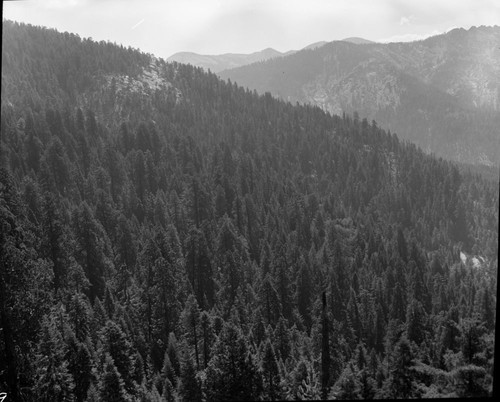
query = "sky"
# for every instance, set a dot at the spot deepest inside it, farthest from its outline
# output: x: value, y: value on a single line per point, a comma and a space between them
x: 164, y: 27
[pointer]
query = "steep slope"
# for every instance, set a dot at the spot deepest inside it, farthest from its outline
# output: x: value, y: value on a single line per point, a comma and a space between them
x: 167, y: 235
x: 442, y: 93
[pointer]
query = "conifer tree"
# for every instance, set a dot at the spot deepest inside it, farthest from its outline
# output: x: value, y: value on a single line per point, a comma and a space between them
x: 115, y: 343
x: 199, y: 267
x: 111, y: 386
x: 138, y: 368
x: 190, y: 318
x: 304, y: 291
x: 269, y: 301
x: 231, y: 373
x: 55, y: 245
x: 325, y: 350
x: 168, y: 372
x: 270, y: 375
x: 347, y: 387
x: 415, y: 324
x: 173, y: 354
x: 207, y: 337
x: 189, y: 387
x: 91, y: 249
x: 80, y: 366
x: 282, y: 339
x: 54, y: 381
x: 80, y: 316
x: 168, y: 392
x: 399, y: 384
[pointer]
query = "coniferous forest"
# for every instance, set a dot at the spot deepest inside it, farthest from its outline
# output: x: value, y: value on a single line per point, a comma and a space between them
x: 166, y: 235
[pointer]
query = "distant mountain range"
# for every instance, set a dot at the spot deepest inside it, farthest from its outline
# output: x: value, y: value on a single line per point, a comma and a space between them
x: 442, y: 93
x: 217, y: 63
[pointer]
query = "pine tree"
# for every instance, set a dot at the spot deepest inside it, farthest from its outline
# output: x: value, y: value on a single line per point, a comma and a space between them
x: 168, y: 392
x: 167, y: 371
x: 199, y: 267
x: 306, y: 384
x: 111, y: 386
x: 269, y: 301
x: 232, y: 253
x: 399, y: 384
x: 189, y: 387
x: 80, y: 316
x: 54, y: 381
x: 109, y: 303
x: 173, y: 354
x: 415, y: 322
x: 471, y: 331
x: 190, y: 318
x: 115, y: 343
x: 55, y: 244
x: 231, y: 373
x: 347, y: 387
x: 138, y: 369
x: 282, y: 339
x: 398, y: 309
x: 92, y: 249
x: 325, y: 351
x: 270, y: 373
x: 207, y: 337
x: 56, y: 165
x: 126, y: 249
x: 80, y: 366
x: 304, y: 292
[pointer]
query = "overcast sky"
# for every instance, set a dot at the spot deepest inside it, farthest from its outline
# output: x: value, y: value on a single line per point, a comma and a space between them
x: 164, y: 27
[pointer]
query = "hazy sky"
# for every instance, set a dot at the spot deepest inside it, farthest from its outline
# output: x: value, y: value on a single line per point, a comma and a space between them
x: 164, y: 27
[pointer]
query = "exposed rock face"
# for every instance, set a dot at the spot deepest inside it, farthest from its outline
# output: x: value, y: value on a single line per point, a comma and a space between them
x: 442, y: 93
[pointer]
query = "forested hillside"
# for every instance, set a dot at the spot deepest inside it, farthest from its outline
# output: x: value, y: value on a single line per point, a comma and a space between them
x: 166, y: 235
x: 442, y: 93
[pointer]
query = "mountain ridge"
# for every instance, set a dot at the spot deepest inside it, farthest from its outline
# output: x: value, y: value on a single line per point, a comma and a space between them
x: 358, y: 41
x: 224, y: 61
x: 446, y: 85
x: 220, y: 62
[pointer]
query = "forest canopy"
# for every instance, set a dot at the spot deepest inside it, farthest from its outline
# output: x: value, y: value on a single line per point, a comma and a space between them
x: 166, y: 235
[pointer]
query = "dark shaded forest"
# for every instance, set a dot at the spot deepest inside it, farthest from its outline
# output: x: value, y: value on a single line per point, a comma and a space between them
x: 166, y: 235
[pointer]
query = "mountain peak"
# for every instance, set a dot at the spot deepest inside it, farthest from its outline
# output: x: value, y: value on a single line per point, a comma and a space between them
x: 217, y: 63
x: 358, y: 41
x: 315, y: 45
x: 440, y: 89
x: 269, y: 52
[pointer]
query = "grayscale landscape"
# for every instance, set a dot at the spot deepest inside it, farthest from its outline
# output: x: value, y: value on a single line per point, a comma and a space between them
x: 233, y: 200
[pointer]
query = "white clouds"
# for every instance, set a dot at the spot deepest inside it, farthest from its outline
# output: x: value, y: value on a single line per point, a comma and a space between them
x: 409, y: 37
x: 218, y: 26
x: 405, y: 20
